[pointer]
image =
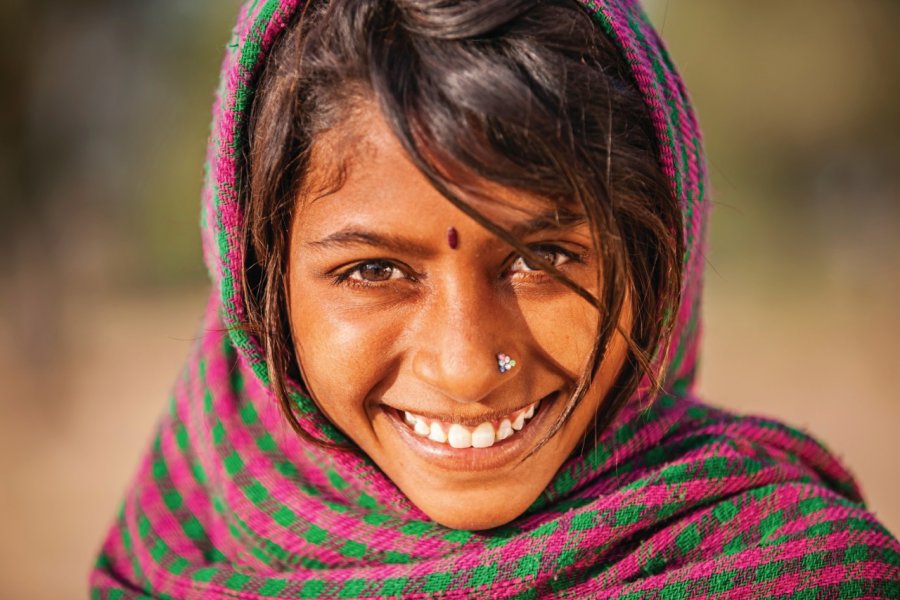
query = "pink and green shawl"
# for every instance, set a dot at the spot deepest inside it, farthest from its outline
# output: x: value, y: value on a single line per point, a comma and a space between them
x: 678, y: 500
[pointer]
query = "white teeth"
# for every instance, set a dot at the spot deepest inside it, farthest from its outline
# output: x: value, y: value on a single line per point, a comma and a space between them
x: 422, y: 427
x: 519, y: 422
x: 459, y: 436
x: 505, y: 430
x: 437, y: 433
x: 483, y: 436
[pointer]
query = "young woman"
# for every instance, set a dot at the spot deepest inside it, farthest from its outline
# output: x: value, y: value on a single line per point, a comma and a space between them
x: 457, y: 252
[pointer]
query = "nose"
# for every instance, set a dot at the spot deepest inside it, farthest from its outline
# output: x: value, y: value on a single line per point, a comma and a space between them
x: 458, y: 335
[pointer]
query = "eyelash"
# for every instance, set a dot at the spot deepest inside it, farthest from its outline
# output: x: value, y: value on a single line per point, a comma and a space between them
x: 345, y: 277
x: 568, y: 255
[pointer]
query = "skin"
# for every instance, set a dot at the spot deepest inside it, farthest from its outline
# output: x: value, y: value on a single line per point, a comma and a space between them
x: 411, y: 324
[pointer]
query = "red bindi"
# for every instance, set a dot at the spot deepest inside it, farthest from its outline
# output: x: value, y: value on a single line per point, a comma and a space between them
x: 452, y: 238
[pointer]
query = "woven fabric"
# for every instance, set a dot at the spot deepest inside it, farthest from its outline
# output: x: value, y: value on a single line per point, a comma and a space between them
x: 676, y: 499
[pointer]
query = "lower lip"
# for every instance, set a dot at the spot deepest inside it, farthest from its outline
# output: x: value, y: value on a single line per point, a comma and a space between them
x: 500, y: 454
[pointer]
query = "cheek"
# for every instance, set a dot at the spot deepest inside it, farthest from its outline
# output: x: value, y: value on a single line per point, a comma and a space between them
x: 344, y: 353
x: 564, y: 329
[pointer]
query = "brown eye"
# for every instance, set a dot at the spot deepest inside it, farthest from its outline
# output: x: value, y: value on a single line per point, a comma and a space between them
x: 553, y: 254
x: 549, y: 256
x: 375, y: 271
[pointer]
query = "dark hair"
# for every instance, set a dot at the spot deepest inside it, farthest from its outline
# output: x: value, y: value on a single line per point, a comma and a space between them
x: 527, y: 94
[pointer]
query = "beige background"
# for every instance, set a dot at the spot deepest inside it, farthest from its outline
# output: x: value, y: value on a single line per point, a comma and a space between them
x: 104, y: 123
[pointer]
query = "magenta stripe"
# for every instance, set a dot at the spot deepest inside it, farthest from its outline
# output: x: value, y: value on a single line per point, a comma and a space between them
x: 165, y: 524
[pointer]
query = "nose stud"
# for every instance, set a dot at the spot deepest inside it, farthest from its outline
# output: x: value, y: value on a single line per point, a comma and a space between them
x: 505, y: 362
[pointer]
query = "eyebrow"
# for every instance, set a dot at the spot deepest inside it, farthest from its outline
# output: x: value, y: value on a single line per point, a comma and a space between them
x: 359, y: 237
x: 554, y: 219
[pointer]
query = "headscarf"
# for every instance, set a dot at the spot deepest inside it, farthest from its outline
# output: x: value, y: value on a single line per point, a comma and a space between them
x: 676, y: 499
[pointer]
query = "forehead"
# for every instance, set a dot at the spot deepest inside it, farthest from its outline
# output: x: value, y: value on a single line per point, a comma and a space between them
x: 361, y: 170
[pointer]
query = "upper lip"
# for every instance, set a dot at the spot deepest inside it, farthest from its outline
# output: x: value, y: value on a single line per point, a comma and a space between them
x: 471, y: 421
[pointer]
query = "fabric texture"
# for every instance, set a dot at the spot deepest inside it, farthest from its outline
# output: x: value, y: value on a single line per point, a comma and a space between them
x: 676, y: 500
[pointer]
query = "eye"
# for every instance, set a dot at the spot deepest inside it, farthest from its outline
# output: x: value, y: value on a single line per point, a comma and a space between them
x: 376, y: 270
x: 371, y: 271
x: 553, y: 254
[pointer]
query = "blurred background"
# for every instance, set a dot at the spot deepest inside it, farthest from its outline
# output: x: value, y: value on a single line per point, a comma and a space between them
x: 104, y: 116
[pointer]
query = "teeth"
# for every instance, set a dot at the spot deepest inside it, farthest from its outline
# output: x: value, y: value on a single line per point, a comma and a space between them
x: 422, y: 427
x: 505, y: 430
x: 459, y: 436
x: 519, y: 422
x: 437, y: 433
x: 484, y: 435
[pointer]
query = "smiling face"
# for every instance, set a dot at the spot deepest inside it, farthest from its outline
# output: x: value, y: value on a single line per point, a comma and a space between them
x: 400, y: 325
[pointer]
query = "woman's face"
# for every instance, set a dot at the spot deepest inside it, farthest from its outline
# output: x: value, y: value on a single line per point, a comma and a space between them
x: 399, y: 326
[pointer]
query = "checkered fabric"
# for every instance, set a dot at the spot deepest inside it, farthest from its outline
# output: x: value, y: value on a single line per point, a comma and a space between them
x: 676, y: 500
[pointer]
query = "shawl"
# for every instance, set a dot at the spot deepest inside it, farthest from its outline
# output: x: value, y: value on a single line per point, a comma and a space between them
x: 677, y: 499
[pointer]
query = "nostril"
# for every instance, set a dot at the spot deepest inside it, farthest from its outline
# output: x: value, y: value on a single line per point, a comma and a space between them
x: 462, y: 377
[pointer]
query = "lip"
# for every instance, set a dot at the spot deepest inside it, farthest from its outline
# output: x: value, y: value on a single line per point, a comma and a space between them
x: 502, y: 453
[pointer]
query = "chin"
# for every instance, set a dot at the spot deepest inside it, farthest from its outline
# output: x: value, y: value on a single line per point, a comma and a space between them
x: 473, y: 506
x: 473, y: 520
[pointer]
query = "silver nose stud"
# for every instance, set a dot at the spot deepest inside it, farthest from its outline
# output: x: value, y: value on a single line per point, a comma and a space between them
x: 505, y: 362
